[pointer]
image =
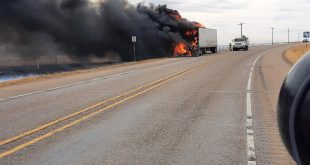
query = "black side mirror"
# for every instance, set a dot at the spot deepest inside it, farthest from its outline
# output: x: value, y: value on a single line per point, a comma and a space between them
x: 294, y: 111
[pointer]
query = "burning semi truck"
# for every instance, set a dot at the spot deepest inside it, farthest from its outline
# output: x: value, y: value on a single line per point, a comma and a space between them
x: 83, y: 29
x: 203, y: 40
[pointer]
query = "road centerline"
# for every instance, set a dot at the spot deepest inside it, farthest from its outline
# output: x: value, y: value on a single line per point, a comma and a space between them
x: 33, y: 141
x: 80, y: 112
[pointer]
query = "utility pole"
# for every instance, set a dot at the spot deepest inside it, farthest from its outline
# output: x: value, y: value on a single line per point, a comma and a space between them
x: 288, y: 35
x: 241, y: 24
x: 272, y: 35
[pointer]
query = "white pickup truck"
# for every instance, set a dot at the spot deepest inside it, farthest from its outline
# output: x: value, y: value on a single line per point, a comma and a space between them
x: 240, y: 43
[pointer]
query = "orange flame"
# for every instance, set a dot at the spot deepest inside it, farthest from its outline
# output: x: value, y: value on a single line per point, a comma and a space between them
x: 175, y: 14
x: 191, y: 32
x: 180, y: 49
x: 195, y: 42
x: 191, y: 36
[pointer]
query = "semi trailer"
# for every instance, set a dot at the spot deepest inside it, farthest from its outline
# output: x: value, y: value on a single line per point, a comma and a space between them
x: 207, y: 41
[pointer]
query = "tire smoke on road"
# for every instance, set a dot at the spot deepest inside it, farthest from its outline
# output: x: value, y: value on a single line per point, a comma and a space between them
x: 81, y: 28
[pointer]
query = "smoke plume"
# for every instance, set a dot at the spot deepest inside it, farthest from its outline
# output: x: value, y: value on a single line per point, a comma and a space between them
x: 81, y: 28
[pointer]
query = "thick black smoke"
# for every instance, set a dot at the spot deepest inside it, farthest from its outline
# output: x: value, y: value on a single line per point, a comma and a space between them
x: 80, y: 28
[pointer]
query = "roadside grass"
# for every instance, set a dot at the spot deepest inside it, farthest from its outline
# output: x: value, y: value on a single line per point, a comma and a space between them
x: 292, y: 55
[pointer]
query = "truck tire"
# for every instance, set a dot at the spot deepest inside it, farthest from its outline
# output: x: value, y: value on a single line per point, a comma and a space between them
x: 200, y: 52
x: 214, y: 50
x: 197, y: 53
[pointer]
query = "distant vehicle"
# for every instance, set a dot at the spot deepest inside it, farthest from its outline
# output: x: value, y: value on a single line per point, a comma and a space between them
x: 207, y: 41
x: 305, y: 40
x: 240, y: 43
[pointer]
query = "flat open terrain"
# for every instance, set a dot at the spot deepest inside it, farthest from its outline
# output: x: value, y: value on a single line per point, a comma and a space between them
x: 293, y: 54
x: 168, y: 111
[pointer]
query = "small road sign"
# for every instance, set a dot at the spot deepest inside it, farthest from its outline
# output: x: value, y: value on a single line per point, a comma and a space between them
x: 134, y: 38
x: 306, y: 34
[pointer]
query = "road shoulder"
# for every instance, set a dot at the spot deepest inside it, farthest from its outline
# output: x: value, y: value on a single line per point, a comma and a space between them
x: 268, y: 77
x: 73, y: 73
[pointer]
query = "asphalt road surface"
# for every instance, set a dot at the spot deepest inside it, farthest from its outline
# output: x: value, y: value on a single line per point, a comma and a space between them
x: 167, y: 111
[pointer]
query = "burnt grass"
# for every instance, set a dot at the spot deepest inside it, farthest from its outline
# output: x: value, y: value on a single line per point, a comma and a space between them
x: 47, y: 69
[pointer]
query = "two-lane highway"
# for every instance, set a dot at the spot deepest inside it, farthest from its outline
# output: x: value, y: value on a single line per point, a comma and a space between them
x: 169, y: 111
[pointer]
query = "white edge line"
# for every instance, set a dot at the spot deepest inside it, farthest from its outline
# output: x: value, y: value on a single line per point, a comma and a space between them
x: 249, y: 119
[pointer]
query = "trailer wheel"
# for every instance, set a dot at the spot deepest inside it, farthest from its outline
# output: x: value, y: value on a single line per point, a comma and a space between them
x: 197, y: 53
x: 213, y: 50
x: 200, y: 52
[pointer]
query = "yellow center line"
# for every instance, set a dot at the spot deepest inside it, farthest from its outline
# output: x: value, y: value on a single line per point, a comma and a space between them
x: 12, y: 139
x: 9, y: 152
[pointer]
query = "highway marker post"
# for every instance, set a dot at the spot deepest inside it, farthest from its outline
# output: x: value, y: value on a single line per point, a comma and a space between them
x: 134, y: 40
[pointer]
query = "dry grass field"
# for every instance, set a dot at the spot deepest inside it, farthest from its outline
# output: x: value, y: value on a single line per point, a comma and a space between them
x: 294, y: 54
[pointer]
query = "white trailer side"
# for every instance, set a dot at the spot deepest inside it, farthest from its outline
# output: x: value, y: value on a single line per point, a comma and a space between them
x: 207, y: 39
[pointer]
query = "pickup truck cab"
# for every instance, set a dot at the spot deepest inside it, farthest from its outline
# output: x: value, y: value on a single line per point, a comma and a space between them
x: 240, y: 43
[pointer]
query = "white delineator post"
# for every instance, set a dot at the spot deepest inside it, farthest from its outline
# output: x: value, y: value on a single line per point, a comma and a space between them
x: 134, y: 40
